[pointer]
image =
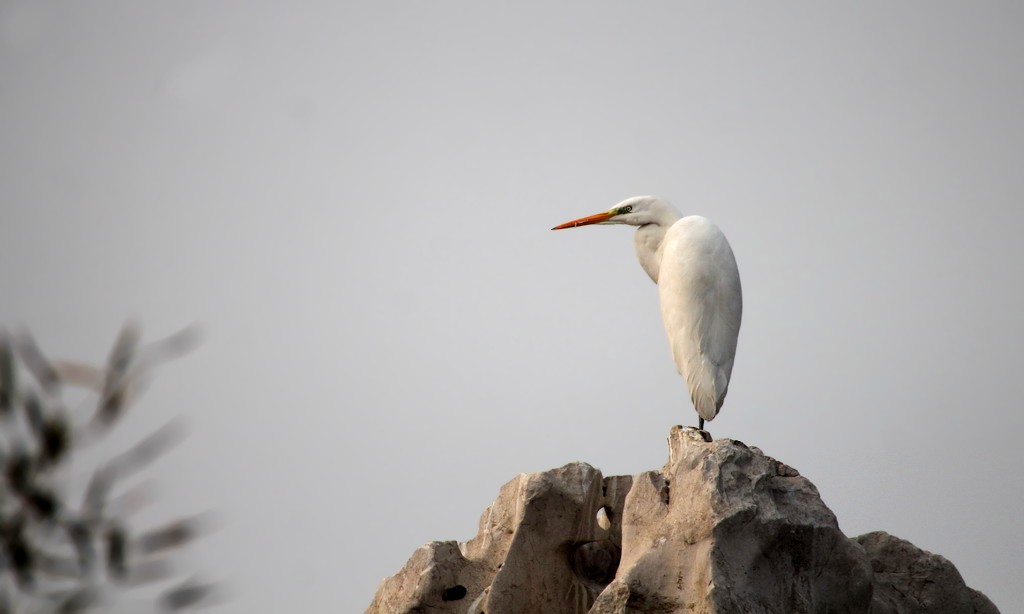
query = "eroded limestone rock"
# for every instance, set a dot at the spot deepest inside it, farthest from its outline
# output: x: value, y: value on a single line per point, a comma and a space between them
x: 721, y: 528
x: 724, y: 528
x: 539, y: 549
x: 909, y: 580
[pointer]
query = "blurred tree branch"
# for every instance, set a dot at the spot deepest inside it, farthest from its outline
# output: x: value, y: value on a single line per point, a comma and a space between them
x: 56, y: 555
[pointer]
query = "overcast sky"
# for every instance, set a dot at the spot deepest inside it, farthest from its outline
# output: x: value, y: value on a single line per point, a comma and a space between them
x: 354, y: 202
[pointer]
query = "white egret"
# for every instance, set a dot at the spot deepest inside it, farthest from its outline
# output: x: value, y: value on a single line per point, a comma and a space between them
x: 699, y: 286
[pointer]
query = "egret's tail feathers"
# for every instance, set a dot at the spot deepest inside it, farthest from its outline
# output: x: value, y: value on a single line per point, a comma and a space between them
x: 706, y: 405
x: 708, y: 385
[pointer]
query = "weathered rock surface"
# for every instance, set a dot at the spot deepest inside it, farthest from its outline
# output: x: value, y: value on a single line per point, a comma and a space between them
x: 721, y: 528
x: 909, y: 580
x: 724, y: 528
x: 540, y: 548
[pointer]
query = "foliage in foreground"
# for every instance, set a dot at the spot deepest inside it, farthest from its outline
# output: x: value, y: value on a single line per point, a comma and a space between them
x: 62, y: 555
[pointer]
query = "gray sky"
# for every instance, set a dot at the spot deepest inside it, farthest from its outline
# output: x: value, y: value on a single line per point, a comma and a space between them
x: 354, y: 200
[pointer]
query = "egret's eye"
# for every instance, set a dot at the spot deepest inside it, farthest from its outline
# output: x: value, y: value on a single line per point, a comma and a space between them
x: 626, y: 209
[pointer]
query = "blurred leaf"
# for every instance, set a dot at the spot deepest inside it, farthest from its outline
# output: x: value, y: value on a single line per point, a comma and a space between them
x: 110, y: 407
x: 56, y: 565
x: 188, y: 595
x: 121, y: 354
x: 18, y: 468
x: 117, y: 552
x: 7, y: 374
x: 170, y: 347
x: 149, y: 571
x: 43, y: 503
x: 77, y: 600
x: 81, y: 540
x: 37, y: 363
x: 97, y: 491
x: 54, y: 439
x: 173, y: 535
x: 132, y: 499
x: 33, y: 409
x: 19, y: 555
x: 149, y: 449
x: 112, y: 398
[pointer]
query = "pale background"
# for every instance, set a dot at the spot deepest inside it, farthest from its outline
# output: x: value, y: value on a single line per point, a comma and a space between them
x: 354, y: 201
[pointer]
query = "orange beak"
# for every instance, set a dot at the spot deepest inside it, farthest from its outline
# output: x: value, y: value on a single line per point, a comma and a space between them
x: 584, y: 221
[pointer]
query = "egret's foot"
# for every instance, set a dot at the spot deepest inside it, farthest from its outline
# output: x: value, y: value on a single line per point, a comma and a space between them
x: 700, y: 427
x: 706, y: 436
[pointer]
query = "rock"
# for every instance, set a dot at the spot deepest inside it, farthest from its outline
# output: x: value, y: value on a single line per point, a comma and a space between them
x: 724, y: 528
x: 721, y: 528
x: 434, y: 576
x: 539, y: 549
x: 909, y: 580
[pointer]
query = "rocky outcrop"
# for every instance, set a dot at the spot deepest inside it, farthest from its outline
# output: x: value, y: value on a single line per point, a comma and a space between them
x: 724, y: 528
x: 721, y: 528
x: 541, y: 547
x: 908, y: 580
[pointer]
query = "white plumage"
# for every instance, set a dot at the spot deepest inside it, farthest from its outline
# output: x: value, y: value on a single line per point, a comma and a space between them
x: 699, y: 287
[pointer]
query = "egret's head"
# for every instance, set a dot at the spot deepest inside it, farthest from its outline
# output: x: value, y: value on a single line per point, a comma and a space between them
x: 635, y: 211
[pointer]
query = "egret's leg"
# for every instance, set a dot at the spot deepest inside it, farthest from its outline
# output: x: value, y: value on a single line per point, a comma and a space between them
x: 700, y: 423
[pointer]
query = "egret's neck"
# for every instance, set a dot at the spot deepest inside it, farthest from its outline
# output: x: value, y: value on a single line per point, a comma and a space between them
x: 649, y: 238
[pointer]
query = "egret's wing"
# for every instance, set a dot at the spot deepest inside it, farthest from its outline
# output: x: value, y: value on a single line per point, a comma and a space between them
x: 701, y: 305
